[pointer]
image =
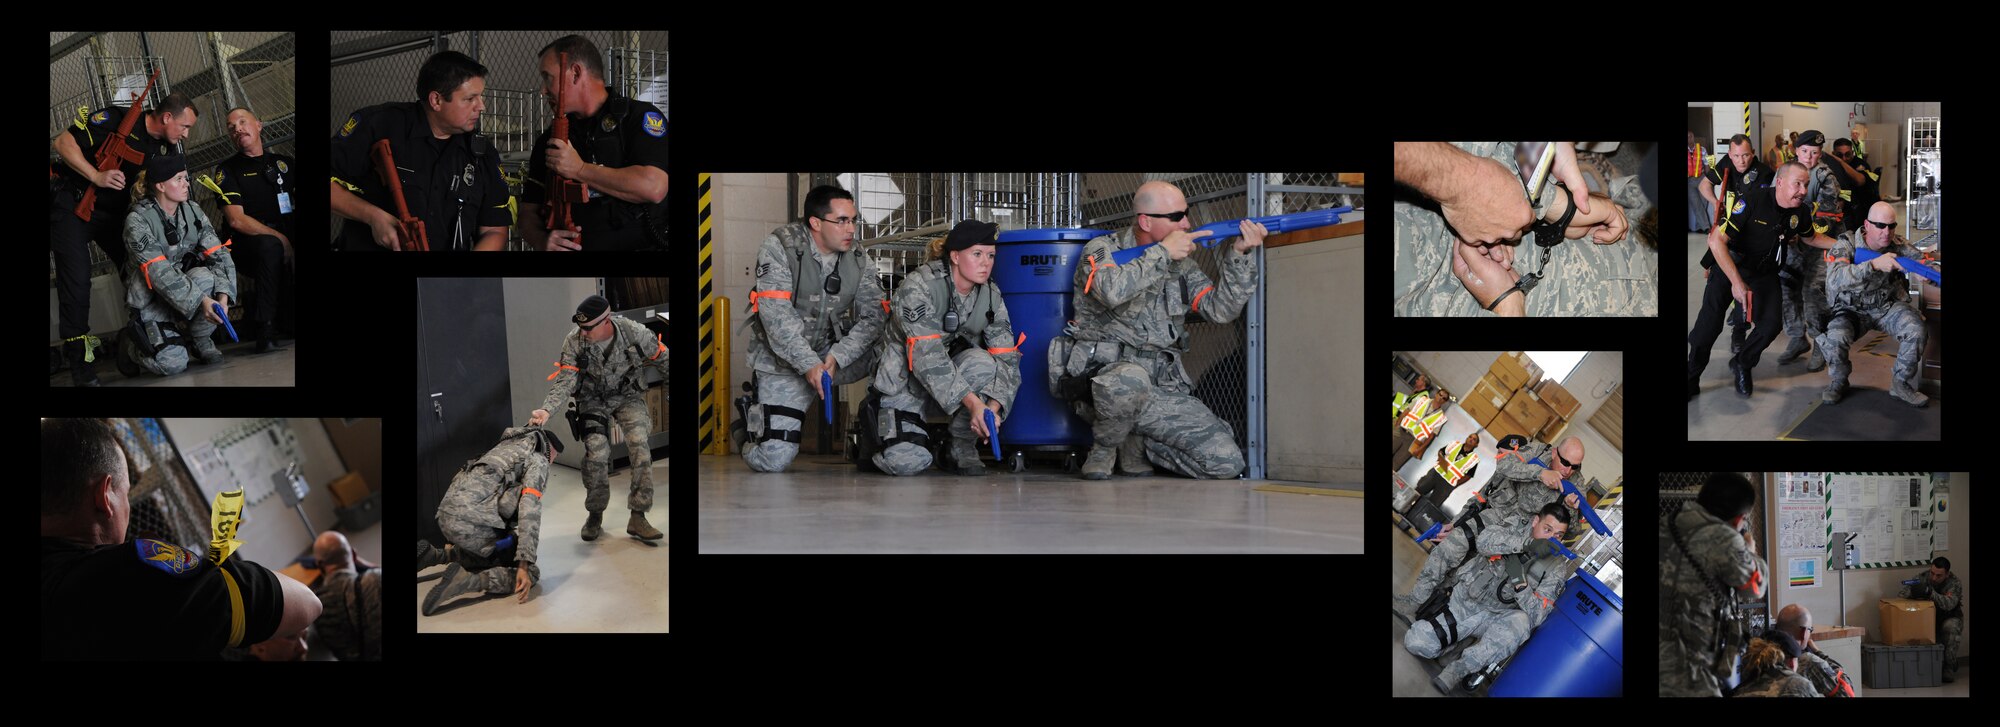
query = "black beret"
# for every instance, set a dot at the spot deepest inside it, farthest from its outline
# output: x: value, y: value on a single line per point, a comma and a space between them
x: 590, y: 309
x: 1812, y: 138
x: 164, y: 166
x: 969, y: 233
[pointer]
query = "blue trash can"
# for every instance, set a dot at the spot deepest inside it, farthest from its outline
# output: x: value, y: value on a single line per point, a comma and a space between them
x: 1578, y: 652
x: 1035, y: 270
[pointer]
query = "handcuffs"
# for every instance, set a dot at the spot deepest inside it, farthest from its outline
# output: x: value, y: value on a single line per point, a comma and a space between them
x: 1547, y: 236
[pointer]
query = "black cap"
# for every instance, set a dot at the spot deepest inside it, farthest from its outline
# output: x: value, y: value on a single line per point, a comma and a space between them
x: 969, y: 233
x: 1812, y: 138
x: 1784, y: 642
x: 590, y: 309
x: 163, y: 166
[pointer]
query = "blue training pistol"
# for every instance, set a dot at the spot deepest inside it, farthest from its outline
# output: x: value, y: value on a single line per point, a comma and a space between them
x: 1431, y: 533
x: 1275, y: 224
x: 1582, y: 503
x: 224, y: 315
x: 826, y: 394
x: 991, y: 436
x: 1862, y: 255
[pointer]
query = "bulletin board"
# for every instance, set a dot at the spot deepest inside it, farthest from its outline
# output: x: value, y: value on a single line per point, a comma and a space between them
x: 244, y: 458
x: 1895, y: 516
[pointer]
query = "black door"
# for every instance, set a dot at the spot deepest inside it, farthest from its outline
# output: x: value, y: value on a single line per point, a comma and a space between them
x: 462, y: 391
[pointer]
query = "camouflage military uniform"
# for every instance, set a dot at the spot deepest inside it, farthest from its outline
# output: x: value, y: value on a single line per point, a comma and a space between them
x: 1582, y: 278
x: 1514, y: 495
x: 491, y: 495
x: 1776, y: 681
x: 1863, y: 298
x: 794, y: 324
x: 918, y: 373
x: 350, y: 617
x: 166, y: 277
x: 605, y: 379
x: 1691, y: 634
x: 1501, y: 601
x: 1951, y: 618
x: 1805, y: 306
x: 1823, y: 674
x: 1131, y: 332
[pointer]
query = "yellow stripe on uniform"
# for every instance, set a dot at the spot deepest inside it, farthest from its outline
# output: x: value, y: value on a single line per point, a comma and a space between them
x: 350, y: 187
x: 235, y: 609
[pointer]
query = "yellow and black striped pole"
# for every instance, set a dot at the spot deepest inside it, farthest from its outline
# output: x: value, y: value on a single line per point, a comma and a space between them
x: 1746, y: 124
x: 710, y: 437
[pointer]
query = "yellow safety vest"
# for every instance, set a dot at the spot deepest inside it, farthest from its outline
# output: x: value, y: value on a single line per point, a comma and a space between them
x: 1419, y: 421
x: 1454, y: 468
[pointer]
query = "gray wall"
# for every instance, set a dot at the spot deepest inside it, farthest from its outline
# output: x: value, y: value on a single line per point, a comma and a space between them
x: 1314, y: 322
x: 1865, y: 588
x: 538, y: 311
x: 746, y: 208
x: 272, y: 534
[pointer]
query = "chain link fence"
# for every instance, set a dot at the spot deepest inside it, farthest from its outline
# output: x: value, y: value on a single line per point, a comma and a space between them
x: 376, y: 67
x: 166, y: 504
x: 217, y: 71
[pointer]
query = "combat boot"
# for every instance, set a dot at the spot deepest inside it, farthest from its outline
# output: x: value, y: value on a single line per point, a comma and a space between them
x: 457, y: 581
x: 429, y: 555
x: 205, y: 350
x: 1406, y: 607
x: 965, y: 458
x: 1742, y: 374
x: 639, y: 528
x: 1793, y: 350
x: 1446, y: 681
x: 267, y: 339
x: 1132, y: 457
x: 1815, y: 362
x: 1899, y: 387
x: 1098, y: 465
x: 81, y: 372
x: 593, y: 526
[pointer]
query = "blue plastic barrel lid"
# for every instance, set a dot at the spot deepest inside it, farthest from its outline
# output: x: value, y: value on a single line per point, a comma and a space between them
x: 1605, y: 591
x: 1052, y: 234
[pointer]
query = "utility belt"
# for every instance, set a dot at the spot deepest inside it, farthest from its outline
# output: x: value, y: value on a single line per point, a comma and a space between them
x: 583, y: 424
x: 1073, y: 363
x: 149, y: 337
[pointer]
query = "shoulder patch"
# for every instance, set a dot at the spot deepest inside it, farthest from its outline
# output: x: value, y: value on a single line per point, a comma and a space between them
x: 221, y: 174
x: 763, y: 269
x: 916, y: 312
x: 172, y: 559
x: 98, y: 119
x: 348, y: 128
x: 1740, y: 206
x: 656, y: 125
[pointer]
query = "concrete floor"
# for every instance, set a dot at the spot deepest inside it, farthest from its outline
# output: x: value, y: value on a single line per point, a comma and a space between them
x: 1962, y: 687
x: 617, y: 583
x: 1782, y: 395
x: 239, y: 367
x: 1409, y: 675
x: 824, y: 505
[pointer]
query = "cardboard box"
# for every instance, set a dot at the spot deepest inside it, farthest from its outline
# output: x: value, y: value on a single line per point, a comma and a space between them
x: 1554, y: 431
x: 1511, y: 370
x: 1907, y: 621
x: 1527, y: 408
x: 1485, y: 400
x: 349, y: 489
x: 1558, y: 398
x: 1504, y: 425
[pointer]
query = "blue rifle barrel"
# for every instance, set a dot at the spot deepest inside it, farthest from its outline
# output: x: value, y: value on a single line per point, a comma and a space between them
x: 1862, y: 256
x: 1582, y: 503
x: 224, y: 315
x: 1275, y: 224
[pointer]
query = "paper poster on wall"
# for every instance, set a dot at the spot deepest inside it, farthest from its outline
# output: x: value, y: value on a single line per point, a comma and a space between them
x: 1803, y: 573
x: 1941, y: 514
x: 1802, y: 522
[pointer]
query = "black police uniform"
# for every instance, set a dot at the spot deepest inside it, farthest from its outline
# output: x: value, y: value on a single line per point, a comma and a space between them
x: 453, y: 185
x: 1729, y: 185
x: 256, y: 184
x: 1756, y: 227
x: 623, y: 133
x: 150, y: 600
x: 1860, y: 196
x: 70, y: 236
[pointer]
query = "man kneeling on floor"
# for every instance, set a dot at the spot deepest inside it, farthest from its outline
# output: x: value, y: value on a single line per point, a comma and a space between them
x: 492, y: 495
x: 1500, y: 599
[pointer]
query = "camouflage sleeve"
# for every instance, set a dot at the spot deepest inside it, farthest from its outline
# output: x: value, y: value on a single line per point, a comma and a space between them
x: 1516, y: 467
x: 529, y: 525
x: 1797, y: 686
x: 871, y: 308
x: 1841, y: 272
x: 369, y: 593
x: 163, y: 276
x: 784, y: 331
x: 1113, y: 284
x: 1546, y: 592
x: 1000, y: 337
x: 1724, y: 555
x: 1947, y: 598
x: 652, y: 346
x: 218, y: 254
x: 1503, y: 540
x: 926, y: 355
x: 1825, y: 194
x: 564, y: 382
x: 1825, y: 681
x: 1221, y: 304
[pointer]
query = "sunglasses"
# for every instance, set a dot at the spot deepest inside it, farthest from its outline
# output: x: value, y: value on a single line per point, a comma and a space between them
x: 1567, y: 463
x: 1170, y: 216
x: 603, y: 321
x: 1882, y: 225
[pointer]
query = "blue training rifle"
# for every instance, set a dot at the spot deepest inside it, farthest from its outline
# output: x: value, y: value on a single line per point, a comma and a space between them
x: 1582, y: 503
x: 826, y: 395
x: 1862, y: 256
x: 1275, y: 224
x: 224, y: 315
x: 992, y: 435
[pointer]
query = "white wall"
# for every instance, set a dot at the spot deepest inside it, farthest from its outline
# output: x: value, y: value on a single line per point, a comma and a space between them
x: 538, y: 311
x: 271, y: 532
x: 746, y: 207
x: 1313, y: 316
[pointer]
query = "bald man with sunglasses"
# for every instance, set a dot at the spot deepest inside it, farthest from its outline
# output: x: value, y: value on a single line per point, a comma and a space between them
x: 1872, y: 296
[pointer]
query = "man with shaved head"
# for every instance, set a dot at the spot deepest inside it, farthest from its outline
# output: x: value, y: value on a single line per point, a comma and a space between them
x: 1764, y: 226
x: 1131, y: 333
x: 1525, y: 479
x: 1827, y: 678
x: 1872, y: 296
x: 350, y: 594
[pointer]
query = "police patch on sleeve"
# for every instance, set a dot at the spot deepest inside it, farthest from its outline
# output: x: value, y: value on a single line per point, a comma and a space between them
x: 656, y: 125
x: 1738, y: 209
x: 352, y: 120
x: 172, y: 559
x: 221, y: 175
x: 98, y: 119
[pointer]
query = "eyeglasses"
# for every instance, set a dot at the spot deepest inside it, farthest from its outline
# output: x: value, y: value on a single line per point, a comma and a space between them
x: 842, y: 221
x: 1170, y: 216
x: 1567, y: 463
x: 600, y: 322
x: 1882, y: 225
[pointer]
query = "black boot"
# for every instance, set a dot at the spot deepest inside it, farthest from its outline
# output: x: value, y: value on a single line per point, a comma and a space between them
x: 1694, y: 388
x: 1736, y: 335
x: 267, y: 339
x: 1742, y: 378
x: 81, y: 372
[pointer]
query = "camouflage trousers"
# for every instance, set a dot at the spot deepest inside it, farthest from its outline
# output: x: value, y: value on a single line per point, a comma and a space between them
x: 1445, y: 557
x: 1179, y: 431
x: 170, y: 360
x: 790, y: 391
x: 1500, y: 630
x: 978, y: 370
x: 630, y: 416
x: 1951, y: 632
x: 1806, y: 304
x: 476, y: 531
x: 1897, y: 320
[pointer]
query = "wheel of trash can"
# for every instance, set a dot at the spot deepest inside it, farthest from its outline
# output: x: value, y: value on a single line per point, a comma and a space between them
x: 1018, y: 462
x: 1070, y: 464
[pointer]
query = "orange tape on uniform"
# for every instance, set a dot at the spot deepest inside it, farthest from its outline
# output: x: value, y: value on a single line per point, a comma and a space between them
x: 532, y: 491
x: 1015, y: 349
x: 147, y: 268
x: 755, y: 294
x: 912, y: 353
x: 560, y: 367
x: 1196, y: 305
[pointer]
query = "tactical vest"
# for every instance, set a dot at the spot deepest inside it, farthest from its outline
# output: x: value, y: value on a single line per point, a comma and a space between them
x: 837, y: 315
x: 186, y: 257
x: 586, y: 354
x: 1455, y: 467
x: 1523, y: 572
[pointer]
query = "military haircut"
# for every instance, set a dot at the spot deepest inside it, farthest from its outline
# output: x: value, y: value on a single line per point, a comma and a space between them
x: 75, y: 452
x: 244, y: 109
x: 174, y: 104
x: 1555, y: 509
x: 1793, y: 165
x: 1843, y: 141
x: 580, y: 50
x: 444, y: 72
x: 1942, y: 562
x: 1727, y: 494
x: 1741, y: 139
x: 819, y: 201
